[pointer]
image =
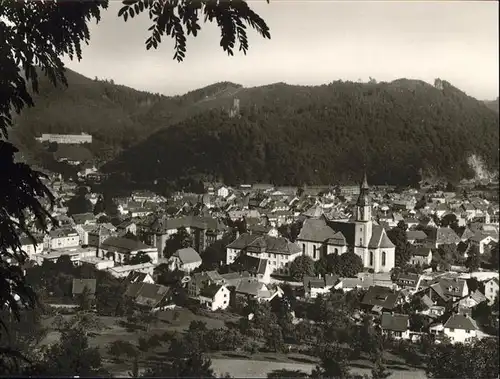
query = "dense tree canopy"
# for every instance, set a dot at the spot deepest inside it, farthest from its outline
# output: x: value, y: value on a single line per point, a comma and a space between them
x: 292, y: 135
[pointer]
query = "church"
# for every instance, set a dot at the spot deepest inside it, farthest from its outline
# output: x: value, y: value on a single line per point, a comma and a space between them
x: 368, y: 240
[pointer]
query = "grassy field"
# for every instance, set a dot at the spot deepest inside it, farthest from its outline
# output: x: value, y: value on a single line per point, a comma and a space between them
x: 237, y: 364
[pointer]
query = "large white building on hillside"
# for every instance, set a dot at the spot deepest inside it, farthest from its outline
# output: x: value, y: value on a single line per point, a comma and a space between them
x: 321, y: 236
x: 66, y: 138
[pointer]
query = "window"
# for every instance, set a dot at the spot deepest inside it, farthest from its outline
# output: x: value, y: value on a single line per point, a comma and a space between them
x: 314, y: 252
x: 397, y: 334
x: 383, y: 258
x: 361, y: 242
x: 452, y: 330
x: 336, y: 251
x: 371, y: 258
x: 467, y: 331
x: 303, y: 248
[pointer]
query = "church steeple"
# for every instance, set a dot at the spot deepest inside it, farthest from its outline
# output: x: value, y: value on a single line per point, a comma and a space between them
x: 363, y: 205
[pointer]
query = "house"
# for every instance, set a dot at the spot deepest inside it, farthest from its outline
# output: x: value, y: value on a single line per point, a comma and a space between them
x: 84, y: 219
x: 251, y: 289
x: 83, y: 231
x: 186, y: 260
x: 63, y: 238
x: 28, y: 246
x: 461, y: 328
x: 395, y: 325
x: 121, y: 249
x: 127, y: 226
x: 416, y: 237
x: 125, y: 270
x: 444, y: 291
x: 79, y: 286
x: 349, y: 284
x: 491, y: 289
x: 378, y: 299
x: 470, y: 301
x: 258, y: 268
x: 409, y: 281
x: 215, y: 296
x: 422, y: 256
x: 314, y: 286
x: 444, y: 236
x: 139, y: 277
x: 481, y: 240
x: 368, y: 240
x: 153, y: 297
x: 99, y: 234
x: 201, y: 279
x: 279, y: 251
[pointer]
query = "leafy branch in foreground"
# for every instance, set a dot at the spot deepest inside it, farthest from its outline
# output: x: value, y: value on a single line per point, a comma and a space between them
x: 176, y: 18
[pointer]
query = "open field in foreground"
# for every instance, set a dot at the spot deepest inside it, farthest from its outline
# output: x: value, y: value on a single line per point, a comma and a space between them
x: 239, y: 368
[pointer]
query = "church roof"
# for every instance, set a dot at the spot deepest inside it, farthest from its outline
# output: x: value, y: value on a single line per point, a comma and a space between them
x: 316, y: 230
x: 338, y: 239
x: 379, y: 239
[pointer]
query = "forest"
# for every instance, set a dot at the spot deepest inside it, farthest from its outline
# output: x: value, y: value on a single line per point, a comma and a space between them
x: 284, y: 134
x: 294, y: 135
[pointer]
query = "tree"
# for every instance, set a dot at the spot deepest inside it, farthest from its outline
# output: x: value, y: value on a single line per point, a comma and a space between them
x: 450, y: 220
x: 493, y: 259
x: 79, y: 204
x: 350, y: 265
x: 473, y: 261
x: 301, y: 266
x: 285, y: 373
x: 333, y: 364
x: 35, y: 36
x: 379, y: 370
x: 274, y: 339
x: 179, y: 240
x: 464, y: 361
x: 85, y: 299
x: 71, y: 356
x: 140, y: 257
x: 399, y: 238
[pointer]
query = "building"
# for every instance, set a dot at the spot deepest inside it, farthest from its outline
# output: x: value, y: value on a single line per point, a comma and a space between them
x: 491, y: 289
x: 63, y: 238
x: 277, y: 250
x: 186, y: 260
x: 461, y: 328
x: 421, y: 256
x: 214, y: 297
x: 314, y: 286
x: 122, y: 249
x: 367, y: 240
x: 395, y: 325
x: 66, y: 138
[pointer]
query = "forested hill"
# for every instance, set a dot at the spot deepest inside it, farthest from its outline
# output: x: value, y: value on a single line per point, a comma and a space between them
x: 117, y: 116
x: 325, y: 134
x: 493, y: 104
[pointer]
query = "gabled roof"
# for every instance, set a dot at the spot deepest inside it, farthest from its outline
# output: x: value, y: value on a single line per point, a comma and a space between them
x: 250, y: 287
x: 136, y: 276
x: 379, y: 239
x: 395, y: 323
x: 416, y: 235
x: 253, y: 265
x: 81, y: 218
x: 422, y: 251
x: 211, y: 290
x: 187, y: 255
x: 315, y: 282
x: 147, y: 294
x: 446, y: 236
x: 337, y: 240
x: 123, y: 245
x: 243, y: 241
x: 80, y: 284
x: 315, y: 230
x: 460, y: 321
x: 380, y: 296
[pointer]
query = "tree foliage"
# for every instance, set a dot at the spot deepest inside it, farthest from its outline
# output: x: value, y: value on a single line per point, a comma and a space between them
x: 403, y: 249
x: 284, y: 134
x: 464, y: 361
x: 303, y: 265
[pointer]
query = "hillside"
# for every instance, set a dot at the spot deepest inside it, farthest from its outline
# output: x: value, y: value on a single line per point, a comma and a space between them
x: 325, y: 134
x: 493, y: 104
x: 117, y: 116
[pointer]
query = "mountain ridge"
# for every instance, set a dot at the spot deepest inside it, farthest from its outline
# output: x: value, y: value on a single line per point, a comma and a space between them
x: 281, y: 131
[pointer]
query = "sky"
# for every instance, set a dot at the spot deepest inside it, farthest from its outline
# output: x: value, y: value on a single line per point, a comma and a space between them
x: 312, y: 42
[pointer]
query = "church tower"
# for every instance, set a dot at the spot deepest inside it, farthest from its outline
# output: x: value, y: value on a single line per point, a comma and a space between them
x: 363, y: 221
